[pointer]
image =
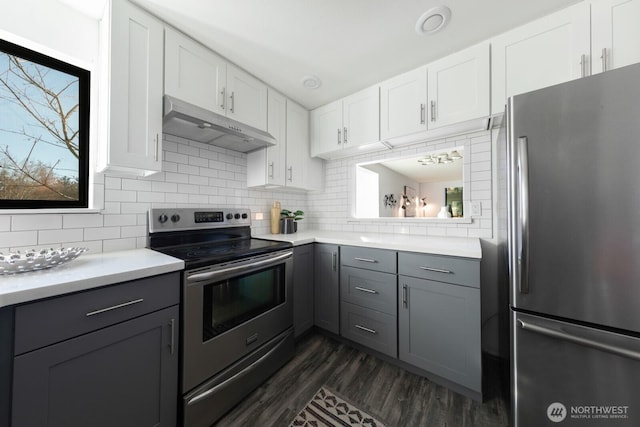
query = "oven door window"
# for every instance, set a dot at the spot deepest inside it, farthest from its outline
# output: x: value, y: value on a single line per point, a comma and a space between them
x: 233, y: 301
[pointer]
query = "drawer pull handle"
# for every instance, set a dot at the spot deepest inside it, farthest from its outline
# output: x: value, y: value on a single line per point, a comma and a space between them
x: 437, y: 270
x: 362, y: 328
x: 365, y: 259
x: 369, y: 291
x: 172, y: 343
x: 114, y: 307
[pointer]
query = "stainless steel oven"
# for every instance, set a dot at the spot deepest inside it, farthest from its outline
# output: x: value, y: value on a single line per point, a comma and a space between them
x: 237, y: 312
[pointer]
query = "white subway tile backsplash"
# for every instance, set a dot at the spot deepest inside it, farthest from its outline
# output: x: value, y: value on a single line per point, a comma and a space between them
x: 120, y: 195
x: 46, y: 237
x: 118, y: 244
x: 137, y: 185
x: 82, y: 220
x: 120, y: 220
x: 5, y: 223
x: 14, y: 239
x: 101, y: 233
x: 36, y: 222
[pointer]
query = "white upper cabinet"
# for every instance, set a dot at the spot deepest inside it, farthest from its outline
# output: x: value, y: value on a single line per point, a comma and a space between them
x: 302, y: 171
x: 326, y: 128
x: 247, y: 98
x: 615, y: 34
x: 403, y: 102
x: 458, y: 87
x: 551, y: 50
x: 193, y: 73
x: 132, y: 112
x: 349, y: 123
x: 288, y: 163
x: 197, y: 75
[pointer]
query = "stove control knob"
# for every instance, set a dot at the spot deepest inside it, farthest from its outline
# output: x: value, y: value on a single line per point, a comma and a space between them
x: 237, y: 216
x: 229, y: 216
x: 162, y: 219
x: 244, y: 216
x: 175, y: 218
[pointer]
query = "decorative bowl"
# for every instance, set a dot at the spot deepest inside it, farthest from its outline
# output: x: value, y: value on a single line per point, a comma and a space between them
x: 34, y: 259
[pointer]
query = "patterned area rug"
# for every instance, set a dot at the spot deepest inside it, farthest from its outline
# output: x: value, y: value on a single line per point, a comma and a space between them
x: 328, y: 410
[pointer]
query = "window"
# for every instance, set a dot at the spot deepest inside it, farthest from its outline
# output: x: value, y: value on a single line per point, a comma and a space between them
x: 44, y: 131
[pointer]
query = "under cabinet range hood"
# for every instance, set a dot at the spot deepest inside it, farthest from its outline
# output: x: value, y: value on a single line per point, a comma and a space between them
x: 197, y: 124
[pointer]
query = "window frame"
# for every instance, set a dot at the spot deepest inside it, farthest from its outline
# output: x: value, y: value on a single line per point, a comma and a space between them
x: 84, y: 102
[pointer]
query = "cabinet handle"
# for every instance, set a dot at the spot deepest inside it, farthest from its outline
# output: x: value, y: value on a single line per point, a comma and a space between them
x: 172, y: 325
x: 422, y: 113
x: 157, y: 146
x: 362, y: 328
x: 604, y: 59
x: 334, y: 260
x: 433, y: 110
x: 339, y: 136
x: 583, y: 64
x: 365, y: 260
x: 437, y: 270
x: 223, y: 92
x: 271, y: 169
x: 233, y: 102
x: 114, y: 307
x: 290, y: 173
x: 345, y: 134
x: 404, y: 296
x: 369, y: 291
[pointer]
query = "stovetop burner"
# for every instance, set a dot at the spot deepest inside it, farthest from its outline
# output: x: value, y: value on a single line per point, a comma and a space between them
x: 205, y: 237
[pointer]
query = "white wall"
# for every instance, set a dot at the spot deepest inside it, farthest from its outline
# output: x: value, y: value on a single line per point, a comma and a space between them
x: 390, y: 182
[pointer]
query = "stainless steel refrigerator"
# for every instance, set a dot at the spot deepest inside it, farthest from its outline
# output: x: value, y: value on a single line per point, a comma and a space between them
x: 570, y: 231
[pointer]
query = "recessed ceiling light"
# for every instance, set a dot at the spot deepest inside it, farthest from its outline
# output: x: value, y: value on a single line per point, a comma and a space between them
x: 311, y: 82
x: 433, y: 20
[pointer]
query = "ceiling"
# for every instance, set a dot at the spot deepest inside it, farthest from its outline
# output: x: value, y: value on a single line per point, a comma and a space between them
x: 348, y: 44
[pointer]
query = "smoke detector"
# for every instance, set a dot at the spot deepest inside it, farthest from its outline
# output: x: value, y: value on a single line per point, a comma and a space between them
x: 433, y: 20
x: 311, y: 82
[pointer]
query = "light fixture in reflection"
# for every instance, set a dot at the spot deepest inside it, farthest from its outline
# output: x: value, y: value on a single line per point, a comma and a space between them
x: 439, y: 159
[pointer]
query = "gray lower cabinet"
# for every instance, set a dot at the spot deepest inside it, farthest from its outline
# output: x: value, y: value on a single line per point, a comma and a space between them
x: 368, y: 296
x: 327, y: 287
x: 303, y: 278
x: 116, y: 366
x: 439, y: 323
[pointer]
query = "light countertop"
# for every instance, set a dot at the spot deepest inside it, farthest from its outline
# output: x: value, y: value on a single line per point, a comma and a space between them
x: 450, y: 246
x: 85, y: 272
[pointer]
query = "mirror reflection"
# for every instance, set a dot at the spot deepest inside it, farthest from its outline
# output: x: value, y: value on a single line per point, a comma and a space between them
x: 423, y: 186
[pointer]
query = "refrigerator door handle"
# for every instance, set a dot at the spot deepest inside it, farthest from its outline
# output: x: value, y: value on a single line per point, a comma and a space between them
x: 523, y: 213
x: 587, y: 342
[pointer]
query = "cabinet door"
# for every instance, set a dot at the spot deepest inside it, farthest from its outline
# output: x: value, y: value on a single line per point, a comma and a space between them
x: 302, y: 289
x: 458, y: 87
x: 302, y: 170
x: 194, y: 73
x: 123, y: 375
x: 326, y: 129
x: 439, y: 329
x: 551, y: 50
x: 246, y: 98
x: 326, y: 287
x: 615, y: 34
x: 135, y: 104
x: 403, y: 100
x: 361, y: 118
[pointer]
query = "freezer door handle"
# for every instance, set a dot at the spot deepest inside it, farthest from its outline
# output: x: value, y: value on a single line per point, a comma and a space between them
x: 587, y: 342
x: 523, y: 213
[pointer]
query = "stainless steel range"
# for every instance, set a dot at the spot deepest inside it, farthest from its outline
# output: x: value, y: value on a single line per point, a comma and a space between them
x: 237, y: 315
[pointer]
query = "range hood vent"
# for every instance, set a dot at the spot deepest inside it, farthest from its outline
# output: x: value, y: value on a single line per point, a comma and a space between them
x: 197, y: 124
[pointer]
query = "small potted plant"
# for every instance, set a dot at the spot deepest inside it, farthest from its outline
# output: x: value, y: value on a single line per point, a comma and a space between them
x: 288, y: 220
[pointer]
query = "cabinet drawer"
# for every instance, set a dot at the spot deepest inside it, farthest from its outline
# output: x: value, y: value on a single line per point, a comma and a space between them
x: 371, y: 328
x: 369, y: 289
x: 371, y: 259
x: 46, y: 322
x: 461, y: 271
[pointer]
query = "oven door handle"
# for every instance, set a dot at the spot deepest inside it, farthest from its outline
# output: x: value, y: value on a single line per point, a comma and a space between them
x: 200, y: 277
x: 249, y: 369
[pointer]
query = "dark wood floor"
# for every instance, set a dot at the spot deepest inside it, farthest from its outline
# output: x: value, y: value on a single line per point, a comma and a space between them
x: 389, y: 393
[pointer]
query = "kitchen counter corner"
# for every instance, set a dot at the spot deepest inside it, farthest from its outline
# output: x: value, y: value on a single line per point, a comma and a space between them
x: 86, y: 272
